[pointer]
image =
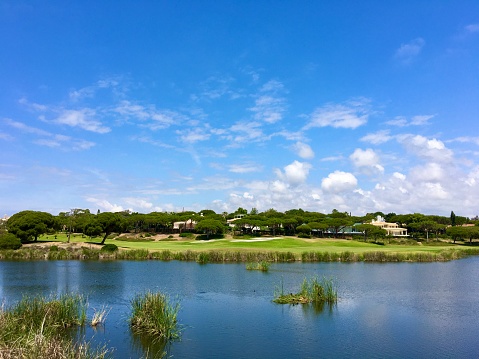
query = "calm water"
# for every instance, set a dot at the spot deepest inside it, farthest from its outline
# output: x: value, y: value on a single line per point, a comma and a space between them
x: 401, y: 310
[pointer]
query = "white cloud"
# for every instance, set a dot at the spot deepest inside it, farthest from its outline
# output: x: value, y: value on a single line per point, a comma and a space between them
x: 378, y: 137
x: 303, y: 150
x: 366, y: 161
x: 138, y: 203
x: 339, y: 181
x: 105, y: 205
x: 428, y: 149
x: 295, y: 173
x: 419, y: 120
x: 269, y: 105
x: 49, y: 139
x: 406, y: 53
x: 472, y: 28
x: 193, y: 135
x: 430, y: 172
x: 82, y: 118
x: 153, y: 118
x: 350, y: 115
x: 245, y: 168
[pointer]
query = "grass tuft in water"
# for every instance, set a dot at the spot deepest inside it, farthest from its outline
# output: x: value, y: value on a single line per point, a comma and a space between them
x: 261, y: 266
x: 312, y: 291
x: 154, y: 316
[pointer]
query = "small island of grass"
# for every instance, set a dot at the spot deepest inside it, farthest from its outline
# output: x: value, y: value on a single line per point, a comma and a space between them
x: 312, y: 291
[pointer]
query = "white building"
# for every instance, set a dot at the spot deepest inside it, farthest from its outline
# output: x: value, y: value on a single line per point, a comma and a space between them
x: 392, y: 229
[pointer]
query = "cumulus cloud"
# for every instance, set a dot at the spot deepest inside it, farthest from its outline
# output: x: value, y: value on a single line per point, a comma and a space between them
x: 349, y: 115
x: 428, y: 149
x: 136, y: 203
x: 367, y: 161
x: 408, y: 52
x: 105, y: 205
x: 338, y: 182
x: 303, y: 150
x: 295, y: 173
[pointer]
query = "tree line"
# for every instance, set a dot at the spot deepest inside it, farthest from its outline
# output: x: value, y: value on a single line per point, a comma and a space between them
x: 29, y: 225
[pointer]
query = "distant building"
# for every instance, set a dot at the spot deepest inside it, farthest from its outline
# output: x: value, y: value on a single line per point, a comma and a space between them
x: 392, y: 229
x: 184, y: 225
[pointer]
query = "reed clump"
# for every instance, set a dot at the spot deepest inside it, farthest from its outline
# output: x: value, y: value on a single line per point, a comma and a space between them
x: 154, y: 315
x: 35, y: 327
x: 262, y: 266
x: 312, y: 291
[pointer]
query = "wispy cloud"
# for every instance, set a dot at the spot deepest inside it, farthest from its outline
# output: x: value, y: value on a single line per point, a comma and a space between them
x: 269, y: 104
x: 408, y: 52
x: 84, y: 119
x: 149, y: 116
x: 420, y: 120
x: 193, y: 135
x: 245, y: 168
x: 50, y: 139
x: 472, y: 28
x: 378, y: 137
x: 350, y: 115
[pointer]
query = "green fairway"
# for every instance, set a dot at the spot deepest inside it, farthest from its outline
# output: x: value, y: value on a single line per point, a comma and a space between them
x: 286, y: 244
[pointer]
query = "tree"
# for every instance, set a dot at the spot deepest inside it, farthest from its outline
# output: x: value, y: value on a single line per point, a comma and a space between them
x: 28, y: 225
x: 453, y: 219
x: 210, y: 226
x: 371, y: 230
x: 304, y: 228
x: 109, y: 222
x: 456, y: 232
x: 337, y: 224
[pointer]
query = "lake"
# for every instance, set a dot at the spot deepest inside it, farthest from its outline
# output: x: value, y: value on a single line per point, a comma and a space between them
x: 393, y: 310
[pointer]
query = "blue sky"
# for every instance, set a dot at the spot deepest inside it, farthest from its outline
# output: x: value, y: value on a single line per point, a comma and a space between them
x: 170, y: 105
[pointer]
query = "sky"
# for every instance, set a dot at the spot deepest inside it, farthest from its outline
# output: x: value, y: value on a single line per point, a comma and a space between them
x: 358, y: 106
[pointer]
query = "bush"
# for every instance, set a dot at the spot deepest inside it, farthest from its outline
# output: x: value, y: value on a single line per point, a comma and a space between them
x: 110, y: 248
x: 9, y: 241
x: 187, y: 235
x: 303, y: 235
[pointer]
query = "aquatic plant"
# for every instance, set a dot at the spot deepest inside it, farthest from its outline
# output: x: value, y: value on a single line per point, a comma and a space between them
x: 312, y: 291
x: 154, y: 315
x: 261, y: 266
x: 35, y: 328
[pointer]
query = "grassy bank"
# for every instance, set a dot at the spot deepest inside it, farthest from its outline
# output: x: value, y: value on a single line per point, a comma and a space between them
x: 233, y: 250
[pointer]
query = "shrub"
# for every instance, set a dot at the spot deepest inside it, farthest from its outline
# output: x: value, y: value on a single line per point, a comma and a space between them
x: 187, y: 235
x: 304, y: 235
x: 110, y: 248
x: 9, y: 241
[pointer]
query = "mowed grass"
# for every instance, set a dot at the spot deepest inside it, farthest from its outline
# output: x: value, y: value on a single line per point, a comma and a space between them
x: 286, y: 244
x: 277, y: 244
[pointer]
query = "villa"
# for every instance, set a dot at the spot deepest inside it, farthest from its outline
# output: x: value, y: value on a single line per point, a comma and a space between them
x: 392, y: 229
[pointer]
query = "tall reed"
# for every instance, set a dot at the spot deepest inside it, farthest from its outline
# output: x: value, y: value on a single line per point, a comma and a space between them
x: 154, y: 315
x: 35, y: 327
